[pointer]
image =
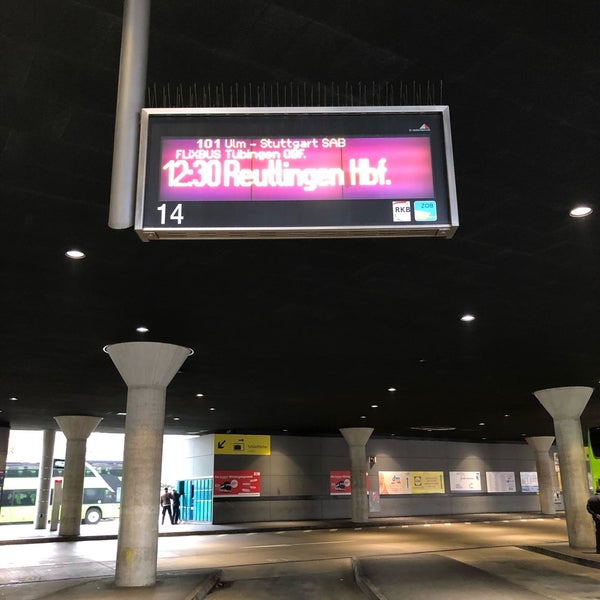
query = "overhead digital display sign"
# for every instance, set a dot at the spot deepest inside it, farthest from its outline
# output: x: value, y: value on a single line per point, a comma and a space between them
x: 295, y: 172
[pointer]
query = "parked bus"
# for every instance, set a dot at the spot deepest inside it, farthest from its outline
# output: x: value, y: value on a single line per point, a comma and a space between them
x: 101, y: 491
x: 593, y: 454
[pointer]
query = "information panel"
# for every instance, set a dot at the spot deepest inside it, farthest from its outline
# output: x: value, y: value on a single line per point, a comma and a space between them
x: 529, y: 481
x: 296, y: 172
x: 465, y: 481
x: 500, y: 481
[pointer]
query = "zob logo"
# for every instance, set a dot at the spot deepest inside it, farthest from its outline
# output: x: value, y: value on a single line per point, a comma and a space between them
x: 425, y: 210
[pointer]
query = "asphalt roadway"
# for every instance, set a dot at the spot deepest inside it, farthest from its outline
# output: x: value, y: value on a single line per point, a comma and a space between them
x: 511, y: 556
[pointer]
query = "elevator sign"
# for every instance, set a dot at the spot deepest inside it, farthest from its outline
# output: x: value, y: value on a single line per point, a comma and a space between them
x: 296, y: 172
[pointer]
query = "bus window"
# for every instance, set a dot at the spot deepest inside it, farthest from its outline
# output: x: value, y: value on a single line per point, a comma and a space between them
x: 25, y: 498
x: 98, y: 496
x: 17, y: 470
x: 8, y: 498
x: 18, y: 498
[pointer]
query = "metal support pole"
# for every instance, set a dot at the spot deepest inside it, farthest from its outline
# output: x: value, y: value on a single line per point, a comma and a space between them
x: 42, y: 498
x: 56, y: 505
x: 130, y: 101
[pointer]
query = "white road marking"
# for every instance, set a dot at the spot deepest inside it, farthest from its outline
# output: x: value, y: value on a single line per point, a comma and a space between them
x: 299, y: 544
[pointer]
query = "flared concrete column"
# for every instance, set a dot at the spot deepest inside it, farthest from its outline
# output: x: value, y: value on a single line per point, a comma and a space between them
x: 356, y: 438
x: 545, y: 471
x: 147, y: 368
x: 42, y: 498
x: 565, y: 405
x: 77, y: 429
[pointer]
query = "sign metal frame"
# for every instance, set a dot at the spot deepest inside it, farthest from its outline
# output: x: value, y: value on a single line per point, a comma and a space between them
x: 445, y: 228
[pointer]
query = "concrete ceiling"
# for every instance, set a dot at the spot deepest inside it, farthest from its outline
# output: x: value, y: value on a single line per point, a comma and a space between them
x: 305, y: 336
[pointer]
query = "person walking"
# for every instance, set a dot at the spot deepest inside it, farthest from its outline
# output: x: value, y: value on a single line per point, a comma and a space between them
x: 593, y: 507
x: 165, y: 502
x: 176, y: 506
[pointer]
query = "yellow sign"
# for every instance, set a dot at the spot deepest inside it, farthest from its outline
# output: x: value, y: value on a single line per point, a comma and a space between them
x: 228, y: 443
x: 427, y: 482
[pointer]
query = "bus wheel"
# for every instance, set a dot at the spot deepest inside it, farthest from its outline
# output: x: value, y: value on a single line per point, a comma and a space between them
x: 92, y: 516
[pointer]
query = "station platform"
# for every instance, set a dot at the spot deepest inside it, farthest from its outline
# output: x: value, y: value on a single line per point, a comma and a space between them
x: 373, y: 577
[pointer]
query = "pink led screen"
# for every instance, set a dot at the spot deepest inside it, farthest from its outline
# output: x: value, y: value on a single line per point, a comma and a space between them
x: 261, y: 169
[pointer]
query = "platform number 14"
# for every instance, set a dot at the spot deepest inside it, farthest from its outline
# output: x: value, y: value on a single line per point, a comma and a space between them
x: 176, y: 215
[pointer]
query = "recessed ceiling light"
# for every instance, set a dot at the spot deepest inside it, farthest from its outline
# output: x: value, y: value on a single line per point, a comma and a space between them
x: 391, y: 389
x: 75, y: 254
x: 121, y: 414
x: 199, y: 395
x: 363, y: 416
x: 176, y: 418
x: 467, y: 318
x: 374, y: 405
x: 507, y: 415
x: 212, y: 408
x: 481, y: 424
x: 580, y: 211
x: 142, y: 329
x: 13, y: 399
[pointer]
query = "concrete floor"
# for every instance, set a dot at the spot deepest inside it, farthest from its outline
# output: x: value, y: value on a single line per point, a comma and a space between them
x: 474, y: 556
